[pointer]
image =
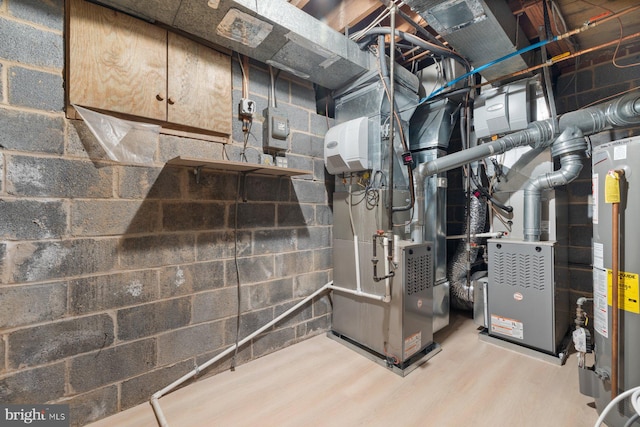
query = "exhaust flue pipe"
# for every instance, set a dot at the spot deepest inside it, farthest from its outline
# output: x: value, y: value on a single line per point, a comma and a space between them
x: 621, y: 112
x: 569, y: 146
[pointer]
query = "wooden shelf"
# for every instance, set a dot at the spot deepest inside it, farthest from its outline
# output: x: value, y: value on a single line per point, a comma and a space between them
x: 228, y: 166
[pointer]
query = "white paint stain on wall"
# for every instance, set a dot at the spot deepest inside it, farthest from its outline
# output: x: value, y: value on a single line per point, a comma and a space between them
x: 180, y: 280
x: 135, y: 288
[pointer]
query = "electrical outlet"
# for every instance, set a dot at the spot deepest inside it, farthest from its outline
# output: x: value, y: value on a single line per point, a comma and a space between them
x: 247, y: 107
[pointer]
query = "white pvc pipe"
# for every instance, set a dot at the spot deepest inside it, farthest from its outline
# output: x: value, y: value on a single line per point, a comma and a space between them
x: 356, y: 251
x: 464, y: 236
x: 358, y: 293
x: 162, y: 421
x: 387, y: 265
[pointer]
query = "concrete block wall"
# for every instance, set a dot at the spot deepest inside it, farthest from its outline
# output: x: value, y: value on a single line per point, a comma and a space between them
x: 116, y: 279
x: 595, y: 80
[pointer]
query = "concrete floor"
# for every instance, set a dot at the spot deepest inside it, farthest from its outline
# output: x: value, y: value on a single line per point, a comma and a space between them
x: 320, y: 382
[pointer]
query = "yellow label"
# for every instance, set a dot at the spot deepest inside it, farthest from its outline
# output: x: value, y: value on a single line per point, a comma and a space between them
x: 612, y: 187
x: 628, y: 291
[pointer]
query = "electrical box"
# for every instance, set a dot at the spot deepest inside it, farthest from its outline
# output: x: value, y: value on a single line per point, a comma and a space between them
x: 275, y: 129
x: 346, y: 146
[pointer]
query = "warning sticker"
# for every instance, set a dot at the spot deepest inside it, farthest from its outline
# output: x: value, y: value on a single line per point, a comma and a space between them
x: 600, y: 307
x: 508, y: 327
x: 594, y: 197
x: 628, y: 292
x: 412, y: 344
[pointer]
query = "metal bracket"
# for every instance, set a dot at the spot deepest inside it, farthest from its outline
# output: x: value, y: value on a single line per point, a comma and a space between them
x: 198, y: 173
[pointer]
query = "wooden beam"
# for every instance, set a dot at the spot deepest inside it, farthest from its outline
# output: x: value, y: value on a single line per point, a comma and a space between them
x: 299, y: 3
x: 350, y: 12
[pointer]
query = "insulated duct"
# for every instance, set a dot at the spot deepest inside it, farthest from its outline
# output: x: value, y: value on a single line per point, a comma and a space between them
x: 482, y: 31
x: 271, y: 31
x: 461, y: 292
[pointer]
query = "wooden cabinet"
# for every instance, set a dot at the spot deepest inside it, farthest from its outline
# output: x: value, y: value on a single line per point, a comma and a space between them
x: 121, y: 64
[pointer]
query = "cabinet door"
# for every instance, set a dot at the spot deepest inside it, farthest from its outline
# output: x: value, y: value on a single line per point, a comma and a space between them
x: 116, y: 62
x: 199, y: 86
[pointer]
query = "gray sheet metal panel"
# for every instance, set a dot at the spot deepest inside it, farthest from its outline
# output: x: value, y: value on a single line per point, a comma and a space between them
x: 527, y: 294
x: 400, y: 328
x: 622, y: 154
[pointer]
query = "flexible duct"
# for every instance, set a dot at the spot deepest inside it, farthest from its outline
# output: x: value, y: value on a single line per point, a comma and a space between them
x: 461, y: 291
x: 569, y: 146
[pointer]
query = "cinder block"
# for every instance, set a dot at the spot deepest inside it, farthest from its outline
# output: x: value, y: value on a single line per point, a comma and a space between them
x: 323, y: 259
x: 303, y: 96
x: 320, y: 125
x: 579, y: 191
x: 2, y: 356
x: 45, y: 302
x: 23, y: 131
x: 137, y: 390
x: 28, y: 45
x: 263, y: 295
x: 272, y: 341
x: 212, y: 186
x: 580, y: 214
x: 265, y: 189
x: 309, y: 191
x: 150, y: 319
x: 306, y: 284
x: 215, y: 305
x: 321, y: 306
x: 314, y: 238
x: 581, y: 279
x: 295, y: 214
x: 252, y: 270
x: 601, y: 93
x: 173, y: 146
x: 49, y: 13
x: 82, y: 143
x: 183, y: 216
x: 301, y: 315
x: 177, y: 280
x: 188, y: 342
x: 59, y: 340
x: 52, y: 177
x: 294, y: 263
x: 42, y: 384
x: 243, y: 356
x: 318, y: 325
x: 114, y: 217
x: 301, y: 162
x: 157, y: 250
x: 106, y: 366
x: 252, y: 215
x: 105, y: 292
x: 324, y: 215
x: 274, y: 241
x: 608, y: 74
x: 208, y: 275
x: 220, y: 244
x: 320, y: 174
x: 249, y: 323
x: 298, y: 119
x: 30, y: 219
x: 92, y: 406
x: 35, y: 89
x: 151, y: 183
x: 38, y: 261
x: 581, y: 256
x: 580, y: 235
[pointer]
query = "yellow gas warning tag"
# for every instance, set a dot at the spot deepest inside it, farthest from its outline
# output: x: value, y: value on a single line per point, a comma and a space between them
x: 628, y: 291
x: 612, y: 187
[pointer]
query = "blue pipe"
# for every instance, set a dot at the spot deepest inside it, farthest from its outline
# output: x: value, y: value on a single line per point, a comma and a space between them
x: 487, y: 65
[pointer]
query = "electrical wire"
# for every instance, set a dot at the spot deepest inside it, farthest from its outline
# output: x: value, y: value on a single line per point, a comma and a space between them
x: 235, y: 259
x: 635, y: 396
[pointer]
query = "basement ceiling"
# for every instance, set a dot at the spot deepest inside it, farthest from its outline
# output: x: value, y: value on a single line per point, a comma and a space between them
x: 349, y: 16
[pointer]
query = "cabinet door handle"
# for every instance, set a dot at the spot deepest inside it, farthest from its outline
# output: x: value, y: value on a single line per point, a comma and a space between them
x: 170, y: 101
x: 160, y: 97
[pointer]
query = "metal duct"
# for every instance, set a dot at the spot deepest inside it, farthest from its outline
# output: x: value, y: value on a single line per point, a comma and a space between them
x: 461, y: 293
x: 621, y: 112
x: 481, y: 31
x: 569, y: 147
x: 271, y: 31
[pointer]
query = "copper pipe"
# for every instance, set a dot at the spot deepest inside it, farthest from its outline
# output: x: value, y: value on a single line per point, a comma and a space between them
x: 564, y: 58
x: 615, y: 230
